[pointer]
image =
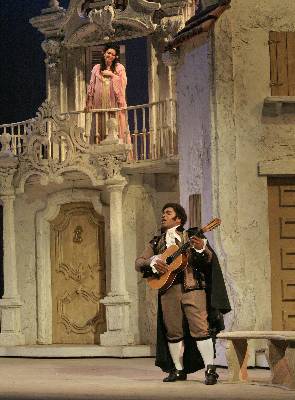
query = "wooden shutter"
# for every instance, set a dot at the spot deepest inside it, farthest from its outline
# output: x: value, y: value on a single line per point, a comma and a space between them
x: 282, y: 63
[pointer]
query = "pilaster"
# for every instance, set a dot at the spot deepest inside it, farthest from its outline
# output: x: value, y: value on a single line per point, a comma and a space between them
x: 10, y: 303
x: 117, y: 301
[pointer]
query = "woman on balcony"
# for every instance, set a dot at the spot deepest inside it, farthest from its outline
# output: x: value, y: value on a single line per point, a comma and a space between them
x: 107, y: 89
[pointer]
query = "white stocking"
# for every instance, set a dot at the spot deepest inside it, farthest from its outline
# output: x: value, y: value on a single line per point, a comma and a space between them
x: 207, y: 351
x: 176, y: 351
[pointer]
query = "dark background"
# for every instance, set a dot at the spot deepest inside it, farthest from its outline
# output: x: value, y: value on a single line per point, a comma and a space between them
x: 22, y: 69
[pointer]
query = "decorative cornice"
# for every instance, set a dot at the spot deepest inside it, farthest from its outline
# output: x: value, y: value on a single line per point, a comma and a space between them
x: 101, y: 19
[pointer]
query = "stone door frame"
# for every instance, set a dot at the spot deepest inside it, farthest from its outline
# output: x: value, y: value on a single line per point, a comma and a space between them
x: 43, y: 261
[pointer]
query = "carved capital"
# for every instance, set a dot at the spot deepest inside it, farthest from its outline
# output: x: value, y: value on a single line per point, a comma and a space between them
x: 6, y: 179
x: 110, y: 165
x: 52, y: 49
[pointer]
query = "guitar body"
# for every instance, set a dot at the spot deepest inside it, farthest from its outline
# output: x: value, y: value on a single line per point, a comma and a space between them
x: 163, y: 282
x: 176, y: 259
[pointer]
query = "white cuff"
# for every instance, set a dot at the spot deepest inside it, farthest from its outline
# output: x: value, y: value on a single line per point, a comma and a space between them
x: 153, y: 261
x: 201, y: 250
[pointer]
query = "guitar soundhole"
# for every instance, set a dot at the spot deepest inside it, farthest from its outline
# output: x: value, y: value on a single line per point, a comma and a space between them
x: 169, y: 260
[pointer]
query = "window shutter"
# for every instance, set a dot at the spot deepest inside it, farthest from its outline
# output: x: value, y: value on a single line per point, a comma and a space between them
x: 282, y: 63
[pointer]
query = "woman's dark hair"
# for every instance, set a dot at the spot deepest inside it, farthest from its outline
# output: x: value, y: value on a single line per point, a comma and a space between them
x: 179, y: 211
x: 116, y: 60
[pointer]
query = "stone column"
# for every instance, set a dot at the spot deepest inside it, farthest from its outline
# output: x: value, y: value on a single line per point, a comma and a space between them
x: 10, y: 303
x: 117, y: 301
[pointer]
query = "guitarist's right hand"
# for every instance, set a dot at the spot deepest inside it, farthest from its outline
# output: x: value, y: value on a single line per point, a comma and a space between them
x: 161, y: 266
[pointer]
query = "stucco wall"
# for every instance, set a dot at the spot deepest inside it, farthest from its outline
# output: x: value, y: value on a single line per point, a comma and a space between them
x: 25, y: 209
x: 239, y: 81
x: 143, y: 200
x: 193, y: 94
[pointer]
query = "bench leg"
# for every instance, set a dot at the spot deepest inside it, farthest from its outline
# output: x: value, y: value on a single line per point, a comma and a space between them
x: 278, y: 364
x: 237, y: 358
x: 290, y: 355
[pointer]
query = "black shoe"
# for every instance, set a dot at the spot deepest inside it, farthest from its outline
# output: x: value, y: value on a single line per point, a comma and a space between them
x: 211, y: 375
x: 176, y: 375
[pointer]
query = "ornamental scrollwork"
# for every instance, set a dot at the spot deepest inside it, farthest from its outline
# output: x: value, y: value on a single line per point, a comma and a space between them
x: 54, y: 145
x: 103, y: 18
x: 79, y: 272
x: 90, y: 321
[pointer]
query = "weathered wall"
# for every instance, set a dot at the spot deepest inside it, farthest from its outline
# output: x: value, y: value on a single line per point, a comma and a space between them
x: 240, y: 138
x: 143, y: 200
x: 193, y: 94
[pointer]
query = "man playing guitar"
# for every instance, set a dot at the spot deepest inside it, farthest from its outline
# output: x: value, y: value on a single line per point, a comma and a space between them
x: 189, y: 312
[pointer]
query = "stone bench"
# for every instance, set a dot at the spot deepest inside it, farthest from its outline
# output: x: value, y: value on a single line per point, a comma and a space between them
x: 280, y: 355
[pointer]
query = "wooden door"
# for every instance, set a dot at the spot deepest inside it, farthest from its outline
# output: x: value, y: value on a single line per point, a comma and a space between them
x: 78, y: 274
x: 282, y: 252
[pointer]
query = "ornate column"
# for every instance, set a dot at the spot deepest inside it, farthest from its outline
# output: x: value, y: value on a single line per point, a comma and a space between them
x: 52, y: 48
x: 117, y: 301
x: 50, y: 24
x: 10, y: 303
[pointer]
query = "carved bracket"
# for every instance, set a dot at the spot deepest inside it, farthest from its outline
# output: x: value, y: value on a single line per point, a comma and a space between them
x: 103, y: 18
x: 165, y: 32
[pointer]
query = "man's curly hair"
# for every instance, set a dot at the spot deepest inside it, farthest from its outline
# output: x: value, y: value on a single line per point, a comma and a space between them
x: 179, y: 211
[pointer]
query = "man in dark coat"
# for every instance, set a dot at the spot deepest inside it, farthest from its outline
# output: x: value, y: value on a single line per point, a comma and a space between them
x: 190, y: 310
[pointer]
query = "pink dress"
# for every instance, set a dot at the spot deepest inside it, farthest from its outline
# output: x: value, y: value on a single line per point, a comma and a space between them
x: 108, y: 92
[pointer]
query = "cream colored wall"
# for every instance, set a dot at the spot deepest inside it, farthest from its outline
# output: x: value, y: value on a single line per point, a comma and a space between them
x: 25, y: 209
x: 144, y: 198
x: 240, y: 138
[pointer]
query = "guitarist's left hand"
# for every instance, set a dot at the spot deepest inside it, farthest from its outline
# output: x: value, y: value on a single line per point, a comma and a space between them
x: 197, y: 242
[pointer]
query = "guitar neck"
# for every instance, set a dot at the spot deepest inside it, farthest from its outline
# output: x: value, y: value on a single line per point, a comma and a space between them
x: 209, y: 227
x: 182, y: 249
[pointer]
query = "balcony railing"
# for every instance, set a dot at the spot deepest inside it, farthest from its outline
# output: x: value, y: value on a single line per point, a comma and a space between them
x: 150, y: 128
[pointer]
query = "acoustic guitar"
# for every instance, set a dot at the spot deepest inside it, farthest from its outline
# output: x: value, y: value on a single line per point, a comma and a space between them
x: 176, y: 259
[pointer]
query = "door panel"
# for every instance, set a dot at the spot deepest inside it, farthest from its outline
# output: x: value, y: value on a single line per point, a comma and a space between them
x: 78, y: 274
x: 282, y: 252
